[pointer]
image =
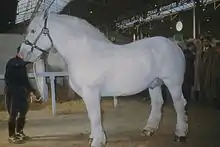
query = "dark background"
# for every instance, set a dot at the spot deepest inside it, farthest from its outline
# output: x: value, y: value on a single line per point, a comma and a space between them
x: 106, y: 12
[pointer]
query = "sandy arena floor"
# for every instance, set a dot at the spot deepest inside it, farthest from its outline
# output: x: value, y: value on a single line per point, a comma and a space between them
x: 70, y: 128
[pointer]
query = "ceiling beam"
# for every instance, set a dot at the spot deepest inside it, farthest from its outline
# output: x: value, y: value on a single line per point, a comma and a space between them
x: 158, y: 13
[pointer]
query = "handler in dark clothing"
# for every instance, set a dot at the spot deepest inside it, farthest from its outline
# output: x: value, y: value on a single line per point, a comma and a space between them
x: 18, y: 90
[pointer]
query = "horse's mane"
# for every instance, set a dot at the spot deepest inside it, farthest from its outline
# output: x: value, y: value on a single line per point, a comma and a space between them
x: 85, y: 28
x: 79, y: 27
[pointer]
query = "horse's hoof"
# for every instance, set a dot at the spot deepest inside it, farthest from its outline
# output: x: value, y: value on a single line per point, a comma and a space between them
x: 147, y: 133
x: 102, y: 144
x: 181, y: 139
x: 90, y: 141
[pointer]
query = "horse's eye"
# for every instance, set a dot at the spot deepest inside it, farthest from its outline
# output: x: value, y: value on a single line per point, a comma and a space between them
x: 32, y: 31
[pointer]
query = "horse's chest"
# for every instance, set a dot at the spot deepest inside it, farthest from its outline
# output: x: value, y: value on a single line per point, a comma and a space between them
x: 87, y: 75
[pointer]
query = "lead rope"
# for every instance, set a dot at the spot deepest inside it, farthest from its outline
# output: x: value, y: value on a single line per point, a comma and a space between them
x: 35, y: 76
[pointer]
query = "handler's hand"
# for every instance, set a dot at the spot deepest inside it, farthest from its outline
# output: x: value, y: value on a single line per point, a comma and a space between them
x: 32, y: 95
x: 34, y: 98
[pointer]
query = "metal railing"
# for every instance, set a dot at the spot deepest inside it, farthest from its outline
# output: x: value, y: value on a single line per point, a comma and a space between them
x: 52, y: 76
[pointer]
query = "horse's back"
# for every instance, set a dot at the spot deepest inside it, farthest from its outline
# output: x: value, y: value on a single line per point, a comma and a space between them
x: 161, y: 46
x: 167, y: 56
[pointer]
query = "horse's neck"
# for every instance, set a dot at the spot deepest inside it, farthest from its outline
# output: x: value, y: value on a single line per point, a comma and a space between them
x: 61, y: 38
x: 69, y: 47
x: 72, y: 45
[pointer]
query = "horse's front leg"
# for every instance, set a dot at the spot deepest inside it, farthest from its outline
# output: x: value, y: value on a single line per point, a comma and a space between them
x: 91, y: 99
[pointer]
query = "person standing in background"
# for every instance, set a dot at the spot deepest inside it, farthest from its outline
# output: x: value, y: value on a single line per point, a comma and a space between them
x: 189, y: 71
x: 198, y: 68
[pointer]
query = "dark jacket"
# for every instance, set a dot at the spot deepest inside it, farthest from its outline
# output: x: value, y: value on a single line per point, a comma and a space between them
x: 189, y: 71
x: 16, y: 74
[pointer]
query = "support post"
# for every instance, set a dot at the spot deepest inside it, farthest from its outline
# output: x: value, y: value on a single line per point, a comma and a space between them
x: 138, y: 32
x: 134, y: 37
x: 115, y: 99
x: 52, y: 83
x: 194, y: 22
x: 172, y: 17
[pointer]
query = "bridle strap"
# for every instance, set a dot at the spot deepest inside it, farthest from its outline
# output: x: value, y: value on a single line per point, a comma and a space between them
x: 44, y: 31
x: 27, y: 42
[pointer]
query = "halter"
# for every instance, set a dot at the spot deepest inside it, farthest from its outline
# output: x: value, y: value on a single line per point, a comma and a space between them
x: 44, y: 31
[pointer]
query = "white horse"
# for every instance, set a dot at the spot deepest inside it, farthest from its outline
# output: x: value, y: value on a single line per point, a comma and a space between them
x: 97, y: 67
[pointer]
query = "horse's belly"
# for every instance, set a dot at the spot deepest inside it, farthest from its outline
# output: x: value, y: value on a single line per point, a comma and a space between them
x: 122, y: 86
x: 122, y: 89
x: 128, y: 76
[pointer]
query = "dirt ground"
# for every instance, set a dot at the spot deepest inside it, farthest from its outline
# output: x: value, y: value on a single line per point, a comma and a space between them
x: 70, y: 127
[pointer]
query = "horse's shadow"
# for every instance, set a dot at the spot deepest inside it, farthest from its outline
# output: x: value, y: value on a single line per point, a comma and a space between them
x: 61, y: 137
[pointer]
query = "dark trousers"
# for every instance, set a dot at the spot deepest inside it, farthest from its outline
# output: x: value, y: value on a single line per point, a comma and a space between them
x: 187, y: 91
x: 17, y: 107
x: 217, y: 93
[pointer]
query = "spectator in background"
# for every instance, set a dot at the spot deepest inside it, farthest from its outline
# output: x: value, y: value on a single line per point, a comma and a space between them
x: 198, y: 66
x: 216, y: 76
x: 207, y: 84
x: 189, y: 72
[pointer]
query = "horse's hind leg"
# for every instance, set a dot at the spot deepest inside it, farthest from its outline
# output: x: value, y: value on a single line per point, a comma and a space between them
x: 155, y: 115
x: 179, y: 105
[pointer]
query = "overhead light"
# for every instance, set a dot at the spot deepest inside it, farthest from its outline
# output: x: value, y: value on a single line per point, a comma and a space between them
x: 208, y: 19
x: 90, y: 12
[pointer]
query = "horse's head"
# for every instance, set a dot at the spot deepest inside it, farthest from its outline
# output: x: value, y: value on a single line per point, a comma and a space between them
x: 37, y: 40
